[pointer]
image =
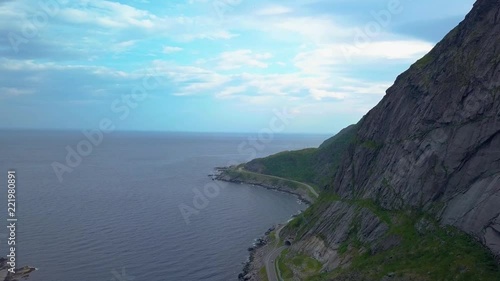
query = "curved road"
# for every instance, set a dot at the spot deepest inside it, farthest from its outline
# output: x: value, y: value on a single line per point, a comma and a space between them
x: 310, y: 188
x: 272, y: 275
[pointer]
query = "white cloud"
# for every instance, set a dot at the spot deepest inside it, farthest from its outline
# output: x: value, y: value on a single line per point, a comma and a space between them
x: 13, y: 92
x: 332, y: 57
x: 32, y: 67
x: 132, y: 21
x: 123, y: 46
x: 210, y: 35
x: 109, y: 14
x: 390, y: 50
x: 190, y: 80
x: 273, y: 10
x: 242, y: 58
x: 171, y: 50
x: 231, y: 91
x: 363, y: 88
x: 319, y: 94
x: 300, y: 29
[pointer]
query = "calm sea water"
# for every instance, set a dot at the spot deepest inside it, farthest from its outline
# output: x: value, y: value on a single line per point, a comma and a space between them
x: 116, y: 216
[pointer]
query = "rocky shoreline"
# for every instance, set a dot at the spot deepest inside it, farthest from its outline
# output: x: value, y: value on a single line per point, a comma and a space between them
x: 21, y: 273
x: 249, y: 270
x: 261, y: 247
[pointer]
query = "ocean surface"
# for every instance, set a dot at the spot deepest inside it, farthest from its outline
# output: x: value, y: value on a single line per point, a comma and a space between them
x: 117, y: 214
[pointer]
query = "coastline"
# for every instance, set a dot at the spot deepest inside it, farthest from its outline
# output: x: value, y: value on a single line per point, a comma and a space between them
x: 230, y: 174
x: 251, y: 268
x: 254, y: 267
x: 299, y: 196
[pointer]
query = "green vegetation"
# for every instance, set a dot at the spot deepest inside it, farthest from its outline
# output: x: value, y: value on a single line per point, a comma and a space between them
x: 446, y: 254
x: 286, y: 272
x: 301, y: 224
x: 300, y: 263
x: 425, y: 249
x: 263, y: 274
x: 371, y: 145
x: 314, y: 166
x: 272, y: 237
x: 429, y: 253
x: 306, y: 264
x: 296, y: 165
x: 239, y: 174
x: 423, y: 62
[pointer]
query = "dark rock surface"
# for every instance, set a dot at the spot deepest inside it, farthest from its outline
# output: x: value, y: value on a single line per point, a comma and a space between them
x: 332, y: 229
x: 433, y: 142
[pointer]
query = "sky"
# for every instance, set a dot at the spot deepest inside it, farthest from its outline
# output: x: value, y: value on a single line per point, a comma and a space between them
x: 209, y: 65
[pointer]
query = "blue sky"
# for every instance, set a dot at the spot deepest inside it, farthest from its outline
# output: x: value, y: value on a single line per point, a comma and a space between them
x: 211, y: 65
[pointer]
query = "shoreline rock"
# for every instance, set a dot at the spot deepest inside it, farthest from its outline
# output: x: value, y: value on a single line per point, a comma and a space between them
x: 250, y: 269
x: 21, y: 273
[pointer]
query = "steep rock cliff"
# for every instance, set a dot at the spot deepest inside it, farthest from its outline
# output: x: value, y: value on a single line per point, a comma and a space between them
x: 433, y: 142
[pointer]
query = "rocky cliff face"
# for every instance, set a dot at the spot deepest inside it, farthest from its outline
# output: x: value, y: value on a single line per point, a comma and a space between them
x: 433, y: 142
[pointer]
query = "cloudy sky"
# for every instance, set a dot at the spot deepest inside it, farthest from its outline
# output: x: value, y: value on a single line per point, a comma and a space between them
x: 208, y: 65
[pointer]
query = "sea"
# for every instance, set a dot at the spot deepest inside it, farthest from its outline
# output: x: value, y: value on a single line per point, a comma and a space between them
x: 137, y: 205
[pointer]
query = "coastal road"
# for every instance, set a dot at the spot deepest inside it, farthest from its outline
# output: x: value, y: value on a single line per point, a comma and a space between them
x: 310, y: 188
x: 270, y: 260
x: 272, y: 274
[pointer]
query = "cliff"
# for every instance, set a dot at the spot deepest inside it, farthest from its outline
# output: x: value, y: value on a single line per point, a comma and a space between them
x: 436, y: 134
x: 417, y: 177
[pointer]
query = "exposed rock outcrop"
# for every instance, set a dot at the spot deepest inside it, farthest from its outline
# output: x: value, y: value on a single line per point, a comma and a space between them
x: 433, y: 142
x: 333, y: 227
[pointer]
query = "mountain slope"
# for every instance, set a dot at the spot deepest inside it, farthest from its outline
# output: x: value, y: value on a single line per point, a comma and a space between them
x: 313, y: 166
x: 437, y: 134
x: 414, y: 190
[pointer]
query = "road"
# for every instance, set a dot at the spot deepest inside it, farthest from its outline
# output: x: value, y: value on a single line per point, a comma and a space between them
x: 310, y: 188
x: 272, y: 274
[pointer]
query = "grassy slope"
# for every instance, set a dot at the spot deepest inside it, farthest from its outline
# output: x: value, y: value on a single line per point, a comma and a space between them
x: 302, y: 263
x: 440, y: 253
x: 315, y: 166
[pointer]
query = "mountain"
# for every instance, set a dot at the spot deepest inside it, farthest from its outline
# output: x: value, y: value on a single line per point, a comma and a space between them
x: 437, y: 134
x: 412, y: 192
